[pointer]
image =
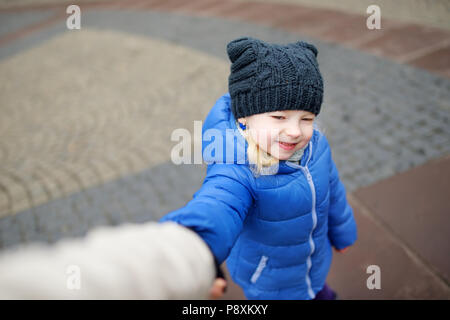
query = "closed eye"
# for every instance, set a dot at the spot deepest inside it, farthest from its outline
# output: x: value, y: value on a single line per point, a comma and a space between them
x: 278, y: 117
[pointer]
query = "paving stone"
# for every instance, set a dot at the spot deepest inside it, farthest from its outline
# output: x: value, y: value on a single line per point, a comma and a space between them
x: 10, y: 23
x: 437, y: 61
x: 416, y: 221
x: 376, y: 246
x: 10, y: 233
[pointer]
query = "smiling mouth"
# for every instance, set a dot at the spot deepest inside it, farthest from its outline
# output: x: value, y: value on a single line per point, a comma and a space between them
x: 287, y: 146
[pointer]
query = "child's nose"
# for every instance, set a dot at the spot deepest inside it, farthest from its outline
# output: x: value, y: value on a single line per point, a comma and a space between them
x: 294, y: 131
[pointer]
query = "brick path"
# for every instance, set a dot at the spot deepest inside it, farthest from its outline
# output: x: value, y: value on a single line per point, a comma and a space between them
x: 83, y: 143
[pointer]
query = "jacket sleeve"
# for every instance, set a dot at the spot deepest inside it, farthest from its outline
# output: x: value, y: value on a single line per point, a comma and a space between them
x: 218, y: 209
x: 342, y: 230
x: 130, y: 261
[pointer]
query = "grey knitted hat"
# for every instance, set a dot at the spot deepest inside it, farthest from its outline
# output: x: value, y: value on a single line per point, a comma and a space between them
x: 268, y: 77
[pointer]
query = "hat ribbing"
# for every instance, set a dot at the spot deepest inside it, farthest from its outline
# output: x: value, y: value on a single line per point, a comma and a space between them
x: 271, y: 77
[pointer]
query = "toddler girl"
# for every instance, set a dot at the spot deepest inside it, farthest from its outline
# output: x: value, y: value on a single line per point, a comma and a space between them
x: 276, y: 207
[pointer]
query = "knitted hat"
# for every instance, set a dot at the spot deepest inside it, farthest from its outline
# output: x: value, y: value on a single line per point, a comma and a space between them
x: 271, y: 77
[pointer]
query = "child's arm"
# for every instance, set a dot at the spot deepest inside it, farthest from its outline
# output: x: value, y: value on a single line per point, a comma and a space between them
x: 218, y: 209
x: 342, y: 226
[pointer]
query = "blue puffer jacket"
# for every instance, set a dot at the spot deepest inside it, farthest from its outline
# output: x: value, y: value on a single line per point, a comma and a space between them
x: 277, y: 230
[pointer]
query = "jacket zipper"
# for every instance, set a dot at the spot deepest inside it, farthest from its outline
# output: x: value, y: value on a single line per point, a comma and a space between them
x: 306, y: 172
x: 314, y: 217
x: 311, y: 242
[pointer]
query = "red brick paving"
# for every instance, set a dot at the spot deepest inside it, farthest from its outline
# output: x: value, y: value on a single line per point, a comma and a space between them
x: 314, y: 22
x: 148, y: 5
x: 194, y: 5
x: 173, y: 5
x: 248, y: 11
x: 236, y: 10
x: 404, y: 40
x: 273, y: 15
x: 352, y: 30
x: 421, y: 46
x: 402, y: 274
x: 394, y: 40
x: 217, y: 8
x: 416, y: 207
x: 437, y: 61
x: 162, y: 5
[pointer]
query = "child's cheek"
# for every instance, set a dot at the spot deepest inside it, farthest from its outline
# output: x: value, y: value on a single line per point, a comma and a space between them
x: 263, y: 138
x: 274, y: 146
x: 266, y: 142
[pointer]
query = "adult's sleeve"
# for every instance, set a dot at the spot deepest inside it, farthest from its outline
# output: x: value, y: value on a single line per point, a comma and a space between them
x: 130, y: 261
x: 218, y: 209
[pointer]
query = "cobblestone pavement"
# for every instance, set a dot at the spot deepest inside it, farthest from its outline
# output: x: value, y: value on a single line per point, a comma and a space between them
x: 87, y: 115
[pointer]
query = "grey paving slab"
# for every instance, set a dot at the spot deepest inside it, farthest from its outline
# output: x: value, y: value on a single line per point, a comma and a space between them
x: 10, y: 23
x: 113, y: 203
x: 31, y: 40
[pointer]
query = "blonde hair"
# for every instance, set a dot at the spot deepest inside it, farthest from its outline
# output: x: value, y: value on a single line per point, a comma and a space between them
x: 257, y: 157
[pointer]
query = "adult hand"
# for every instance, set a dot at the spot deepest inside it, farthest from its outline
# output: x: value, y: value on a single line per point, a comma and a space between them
x: 217, y: 289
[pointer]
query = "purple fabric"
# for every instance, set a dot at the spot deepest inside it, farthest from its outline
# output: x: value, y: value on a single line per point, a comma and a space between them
x: 325, y: 294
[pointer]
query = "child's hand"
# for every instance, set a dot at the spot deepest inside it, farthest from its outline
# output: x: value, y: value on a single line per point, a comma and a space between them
x: 218, y: 288
x: 342, y: 250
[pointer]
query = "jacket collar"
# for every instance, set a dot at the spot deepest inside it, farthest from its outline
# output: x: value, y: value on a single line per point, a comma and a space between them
x: 221, y: 141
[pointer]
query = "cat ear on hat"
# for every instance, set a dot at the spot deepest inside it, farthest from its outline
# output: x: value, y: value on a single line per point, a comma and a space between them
x: 239, y: 47
x: 309, y: 46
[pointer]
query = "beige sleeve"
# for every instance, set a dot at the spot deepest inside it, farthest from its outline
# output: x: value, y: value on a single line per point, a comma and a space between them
x: 145, y: 261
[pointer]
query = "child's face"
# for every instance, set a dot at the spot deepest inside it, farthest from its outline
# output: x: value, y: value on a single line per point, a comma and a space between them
x: 290, y: 126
